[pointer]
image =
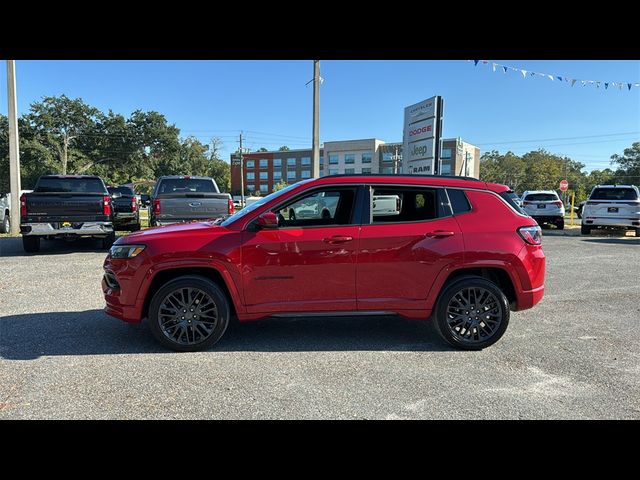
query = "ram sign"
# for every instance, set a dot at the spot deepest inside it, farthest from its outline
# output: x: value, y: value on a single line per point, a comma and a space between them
x: 422, y: 131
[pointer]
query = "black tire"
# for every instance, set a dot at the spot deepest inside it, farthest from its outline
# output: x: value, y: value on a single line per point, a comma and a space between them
x: 637, y: 232
x: 585, y: 230
x: 217, y: 297
x: 560, y: 224
x: 455, y: 338
x: 31, y: 244
x: 135, y: 228
x: 5, y: 226
x: 107, y: 241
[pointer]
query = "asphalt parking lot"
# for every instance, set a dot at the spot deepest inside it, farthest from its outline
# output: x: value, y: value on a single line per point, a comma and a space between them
x: 574, y: 356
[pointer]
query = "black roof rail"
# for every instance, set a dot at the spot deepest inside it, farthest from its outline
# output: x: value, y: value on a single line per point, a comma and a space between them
x: 401, y: 175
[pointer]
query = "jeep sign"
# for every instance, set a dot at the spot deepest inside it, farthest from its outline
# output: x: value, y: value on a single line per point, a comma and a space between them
x: 421, y: 136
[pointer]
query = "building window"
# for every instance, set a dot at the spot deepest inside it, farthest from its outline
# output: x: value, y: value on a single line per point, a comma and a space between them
x: 333, y: 159
x: 277, y: 162
x: 321, y: 160
x: 445, y: 169
x: 387, y: 156
x: 264, y: 188
x: 251, y: 176
x: 366, y: 170
x: 322, y: 166
x: 277, y: 175
x: 264, y: 163
x: 367, y: 157
x: 333, y: 171
x: 291, y: 162
x: 264, y: 175
x: 250, y: 163
x: 446, y: 153
x: 387, y: 170
x: 306, y: 161
x: 291, y: 174
x: 349, y: 171
x: 306, y: 174
x: 349, y: 158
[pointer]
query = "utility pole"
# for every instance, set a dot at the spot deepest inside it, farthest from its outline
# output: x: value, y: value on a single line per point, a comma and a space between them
x: 316, y: 119
x: 396, y: 161
x: 241, y: 173
x: 14, y: 148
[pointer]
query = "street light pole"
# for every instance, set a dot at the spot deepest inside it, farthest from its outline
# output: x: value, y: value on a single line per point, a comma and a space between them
x: 14, y: 148
x: 241, y: 173
x: 316, y: 119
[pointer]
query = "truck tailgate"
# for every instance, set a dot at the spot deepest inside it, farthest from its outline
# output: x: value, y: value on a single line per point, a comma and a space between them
x: 63, y: 207
x: 193, y: 207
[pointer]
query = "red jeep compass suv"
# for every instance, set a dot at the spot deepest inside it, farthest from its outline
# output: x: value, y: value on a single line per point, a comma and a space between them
x: 456, y: 249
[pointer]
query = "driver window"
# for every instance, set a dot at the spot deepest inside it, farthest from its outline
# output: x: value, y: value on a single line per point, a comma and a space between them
x: 324, y: 207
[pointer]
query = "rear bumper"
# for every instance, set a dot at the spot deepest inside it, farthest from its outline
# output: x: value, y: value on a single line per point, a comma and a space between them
x: 547, y: 218
x: 611, y: 222
x: 48, y: 229
x: 528, y: 298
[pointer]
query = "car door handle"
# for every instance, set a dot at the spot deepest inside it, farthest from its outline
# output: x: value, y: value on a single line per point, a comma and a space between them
x: 439, y: 234
x: 337, y: 239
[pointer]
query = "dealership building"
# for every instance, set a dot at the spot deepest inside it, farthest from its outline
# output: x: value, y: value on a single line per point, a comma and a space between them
x: 263, y: 170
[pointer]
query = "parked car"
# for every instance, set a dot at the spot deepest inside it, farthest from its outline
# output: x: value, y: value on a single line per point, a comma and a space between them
x: 178, y: 199
x: 514, y: 196
x: 459, y: 251
x: 615, y: 206
x: 544, y: 206
x: 126, y: 208
x: 5, y: 213
x: 66, y: 206
x: 579, y: 208
x: 386, y: 205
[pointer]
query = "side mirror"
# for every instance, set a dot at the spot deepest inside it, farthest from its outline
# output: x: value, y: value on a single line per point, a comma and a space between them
x: 115, y: 195
x: 268, y: 220
x: 145, y: 199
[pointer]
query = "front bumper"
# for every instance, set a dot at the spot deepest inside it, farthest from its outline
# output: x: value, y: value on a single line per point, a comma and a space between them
x: 611, y: 222
x: 49, y: 229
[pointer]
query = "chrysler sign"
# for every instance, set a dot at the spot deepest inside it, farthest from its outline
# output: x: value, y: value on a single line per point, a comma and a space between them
x: 421, y: 137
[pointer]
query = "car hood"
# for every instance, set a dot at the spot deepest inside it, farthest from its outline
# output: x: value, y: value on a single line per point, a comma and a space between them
x: 176, y: 230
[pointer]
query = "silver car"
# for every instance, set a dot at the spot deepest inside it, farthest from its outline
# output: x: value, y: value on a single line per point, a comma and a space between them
x: 544, y: 206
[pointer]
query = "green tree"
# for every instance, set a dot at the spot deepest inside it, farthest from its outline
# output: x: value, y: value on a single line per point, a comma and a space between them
x: 262, y: 149
x: 284, y: 148
x: 629, y: 165
x: 279, y: 186
x: 219, y: 169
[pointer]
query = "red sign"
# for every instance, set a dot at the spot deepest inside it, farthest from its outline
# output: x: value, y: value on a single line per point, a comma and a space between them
x: 418, y: 131
x: 564, y: 185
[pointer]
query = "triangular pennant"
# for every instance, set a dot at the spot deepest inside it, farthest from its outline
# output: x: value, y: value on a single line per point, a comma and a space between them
x: 629, y: 85
x: 620, y: 85
x: 606, y: 85
x: 559, y: 78
x: 524, y: 73
x: 613, y: 84
x: 504, y: 68
x: 584, y: 82
x: 476, y: 62
x: 551, y: 77
x: 533, y: 74
x: 494, y: 66
x: 485, y: 62
x: 573, y: 82
x: 598, y: 84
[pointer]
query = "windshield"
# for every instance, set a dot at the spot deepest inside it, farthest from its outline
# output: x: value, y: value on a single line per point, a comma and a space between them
x: 186, y: 185
x: 614, y: 194
x: 257, y: 204
x: 122, y: 190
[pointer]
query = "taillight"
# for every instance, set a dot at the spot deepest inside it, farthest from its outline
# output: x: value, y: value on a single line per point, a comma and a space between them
x: 23, y: 205
x: 156, y: 206
x: 134, y: 204
x: 231, y: 207
x: 532, y: 235
x: 106, y: 205
x: 557, y: 203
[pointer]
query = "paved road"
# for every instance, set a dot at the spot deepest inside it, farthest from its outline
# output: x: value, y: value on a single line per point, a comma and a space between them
x: 576, y: 355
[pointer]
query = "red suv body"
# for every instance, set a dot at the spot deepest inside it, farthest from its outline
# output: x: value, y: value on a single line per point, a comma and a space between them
x: 458, y: 250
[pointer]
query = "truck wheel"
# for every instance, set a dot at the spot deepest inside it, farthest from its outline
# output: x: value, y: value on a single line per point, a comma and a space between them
x: 5, y: 226
x: 585, y: 230
x: 108, y: 240
x: 31, y: 244
x: 471, y: 313
x: 188, y: 314
x: 637, y: 232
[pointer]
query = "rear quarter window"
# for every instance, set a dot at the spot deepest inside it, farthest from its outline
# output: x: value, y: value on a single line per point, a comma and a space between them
x: 507, y: 197
x: 458, y: 201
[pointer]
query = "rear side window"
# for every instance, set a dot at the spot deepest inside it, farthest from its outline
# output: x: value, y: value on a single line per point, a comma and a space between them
x: 541, y: 197
x: 184, y: 185
x: 122, y: 190
x: 614, y: 194
x: 389, y: 204
x: 70, y: 185
x: 459, y: 201
x: 507, y: 197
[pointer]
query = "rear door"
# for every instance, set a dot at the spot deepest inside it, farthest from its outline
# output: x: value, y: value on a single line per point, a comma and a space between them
x: 402, y: 252
x: 615, y: 203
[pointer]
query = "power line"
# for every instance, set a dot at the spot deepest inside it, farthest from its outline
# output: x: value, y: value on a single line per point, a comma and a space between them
x: 559, y: 138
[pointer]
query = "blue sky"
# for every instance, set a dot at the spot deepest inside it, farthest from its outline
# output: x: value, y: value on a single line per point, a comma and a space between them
x: 269, y: 101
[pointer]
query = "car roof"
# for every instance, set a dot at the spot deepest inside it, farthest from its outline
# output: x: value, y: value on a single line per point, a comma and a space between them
x: 395, y: 179
x: 616, y: 186
x: 195, y: 177
x: 540, y: 191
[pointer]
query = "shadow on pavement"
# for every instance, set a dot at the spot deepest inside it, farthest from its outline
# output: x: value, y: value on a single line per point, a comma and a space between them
x: 92, y: 332
x: 621, y: 241
x: 12, y: 247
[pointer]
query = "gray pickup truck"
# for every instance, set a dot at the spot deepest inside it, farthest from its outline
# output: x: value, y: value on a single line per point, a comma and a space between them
x: 183, y: 198
x: 66, y: 206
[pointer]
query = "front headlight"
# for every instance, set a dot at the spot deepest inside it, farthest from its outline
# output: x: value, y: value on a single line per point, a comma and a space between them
x: 126, y: 251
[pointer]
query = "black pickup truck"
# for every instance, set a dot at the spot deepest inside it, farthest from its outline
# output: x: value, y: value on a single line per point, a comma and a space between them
x: 66, y: 206
x: 126, y: 210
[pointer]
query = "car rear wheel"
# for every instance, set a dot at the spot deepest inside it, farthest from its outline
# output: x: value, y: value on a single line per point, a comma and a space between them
x: 637, y: 232
x: 560, y: 224
x: 5, y: 226
x: 585, y: 230
x: 471, y: 313
x: 31, y: 244
x: 189, y: 313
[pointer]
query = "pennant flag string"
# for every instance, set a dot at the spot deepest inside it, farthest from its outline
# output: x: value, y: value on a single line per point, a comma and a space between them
x: 560, y: 78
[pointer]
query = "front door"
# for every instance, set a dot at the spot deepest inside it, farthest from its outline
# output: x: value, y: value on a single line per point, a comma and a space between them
x: 307, y: 264
x: 403, y: 249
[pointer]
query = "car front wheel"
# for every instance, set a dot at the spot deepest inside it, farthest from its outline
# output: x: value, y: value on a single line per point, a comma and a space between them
x: 189, y: 313
x: 471, y: 313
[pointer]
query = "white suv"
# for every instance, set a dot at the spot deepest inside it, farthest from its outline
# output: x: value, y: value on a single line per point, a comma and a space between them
x: 612, y: 206
x: 544, y: 206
